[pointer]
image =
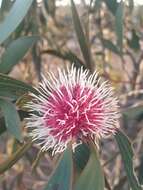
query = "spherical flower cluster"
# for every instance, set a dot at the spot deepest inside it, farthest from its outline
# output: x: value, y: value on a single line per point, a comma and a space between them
x: 72, y: 108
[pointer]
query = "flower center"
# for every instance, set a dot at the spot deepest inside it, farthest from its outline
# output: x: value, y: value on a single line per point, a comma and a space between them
x: 71, y: 112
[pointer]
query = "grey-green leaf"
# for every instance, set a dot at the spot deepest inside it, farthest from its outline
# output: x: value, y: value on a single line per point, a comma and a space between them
x: 61, y: 179
x: 112, y: 5
x: 12, y: 119
x: 133, y: 112
x: 127, y: 156
x: 81, y: 156
x: 119, y: 25
x: 92, y: 177
x: 13, y: 88
x: 97, y: 5
x: 15, y: 52
x: 109, y: 45
x: 84, y: 46
x: 66, y: 55
x: 14, y: 17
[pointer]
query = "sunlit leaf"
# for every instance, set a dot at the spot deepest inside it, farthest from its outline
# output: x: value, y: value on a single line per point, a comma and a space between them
x: 12, y: 119
x: 61, y: 179
x: 127, y: 156
x: 14, y: 17
x: 15, y: 52
x: 0, y: 3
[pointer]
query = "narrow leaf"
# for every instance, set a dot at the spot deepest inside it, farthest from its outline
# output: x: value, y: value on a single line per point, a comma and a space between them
x: 61, y: 179
x: 119, y: 25
x: 15, y: 52
x: 109, y: 45
x: 92, y: 176
x: 134, y: 42
x: 65, y: 55
x: 127, y: 156
x: 12, y: 118
x: 22, y: 114
x: 112, y: 5
x: 97, y: 5
x: 84, y: 46
x: 13, y: 88
x: 81, y: 156
x: 14, y: 17
x: 133, y: 112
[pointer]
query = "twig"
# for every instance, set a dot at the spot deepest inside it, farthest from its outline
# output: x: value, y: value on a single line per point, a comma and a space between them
x: 15, y: 157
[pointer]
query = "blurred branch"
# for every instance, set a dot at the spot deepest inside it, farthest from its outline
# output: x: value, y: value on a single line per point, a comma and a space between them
x: 15, y: 157
x: 111, y: 159
x: 36, y: 161
x: 107, y: 76
x: 107, y: 183
x: 37, y: 59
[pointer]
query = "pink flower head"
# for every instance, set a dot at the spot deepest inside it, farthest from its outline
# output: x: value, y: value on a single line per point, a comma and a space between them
x: 72, y: 108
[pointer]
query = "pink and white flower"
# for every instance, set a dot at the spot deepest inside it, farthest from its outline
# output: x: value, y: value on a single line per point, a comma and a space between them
x: 71, y: 108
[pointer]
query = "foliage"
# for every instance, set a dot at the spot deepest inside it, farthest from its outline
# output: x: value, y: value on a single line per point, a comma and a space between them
x: 110, y: 31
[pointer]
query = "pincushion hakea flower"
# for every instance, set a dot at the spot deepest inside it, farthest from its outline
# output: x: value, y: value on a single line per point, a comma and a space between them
x: 72, y: 108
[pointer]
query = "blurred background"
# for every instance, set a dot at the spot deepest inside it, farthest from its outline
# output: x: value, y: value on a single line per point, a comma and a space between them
x: 114, y: 46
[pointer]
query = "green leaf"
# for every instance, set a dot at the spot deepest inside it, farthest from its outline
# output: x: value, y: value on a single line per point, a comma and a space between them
x: 13, y: 88
x: 66, y: 55
x: 84, y: 46
x: 61, y: 179
x: 14, y: 17
x: 15, y: 52
x: 109, y: 45
x: 133, y: 112
x: 92, y: 176
x: 2, y: 126
x: 12, y: 118
x: 112, y: 5
x: 134, y: 42
x: 97, y: 5
x: 119, y: 25
x: 140, y: 173
x: 22, y: 114
x: 127, y: 156
x: 81, y: 156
